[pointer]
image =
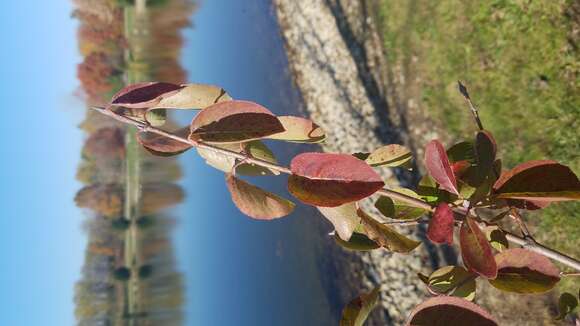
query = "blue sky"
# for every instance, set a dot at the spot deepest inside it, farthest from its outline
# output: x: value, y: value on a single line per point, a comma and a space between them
x: 41, y: 245
x: 231, y: 262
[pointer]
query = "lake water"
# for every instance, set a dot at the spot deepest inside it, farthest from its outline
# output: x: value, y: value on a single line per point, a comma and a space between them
x: 166, y: 244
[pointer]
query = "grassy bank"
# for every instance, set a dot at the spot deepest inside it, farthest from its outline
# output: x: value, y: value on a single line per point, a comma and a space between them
x: 520, y: 62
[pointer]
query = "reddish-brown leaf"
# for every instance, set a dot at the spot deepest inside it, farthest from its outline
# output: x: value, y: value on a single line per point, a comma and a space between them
x: 524, y: 271
x: 234, y: 121
x: 440, y: 228
x: 485, y: 150
x: 538, y: 182
x: 329, y: 180
x: 164, y: 146
x: 476, y: 250
x: 255, y: 202
x: 449, y: 311
x: 438, y: 166
x: 143, y: 95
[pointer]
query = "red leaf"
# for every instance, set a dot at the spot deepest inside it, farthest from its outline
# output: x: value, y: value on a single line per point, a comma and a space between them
x: 438, y: 166
x: 449, y: 311
x: 234, y: 121
x: 440, y: 228
x: 476, y: 250
x: 143, y: 95
x: 164, y: 146
x: 255, y: 202
x: 524, y: 271
x: 329, y: 180
x: 538, y: 182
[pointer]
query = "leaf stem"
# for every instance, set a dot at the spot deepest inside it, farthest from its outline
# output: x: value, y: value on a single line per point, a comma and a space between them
x: 527, y: 243
x: 474, y: 111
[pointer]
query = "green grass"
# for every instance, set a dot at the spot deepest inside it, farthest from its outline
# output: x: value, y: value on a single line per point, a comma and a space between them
x: 522, y: 72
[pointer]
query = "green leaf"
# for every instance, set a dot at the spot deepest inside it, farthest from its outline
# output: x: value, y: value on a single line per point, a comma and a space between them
x: 358, y: 241
x: 453, y: 280
x: 386, y: 236
x: 194, y: 96
x: 566, y: 305
x: 299, y: 130
x: 344, y: 218
x: 399, y: 210
x: 524, y: 271
x: 358, y: 310
x: 496, y: 237
x: 463, y: 151
x: 225, y: 163
x: 390, y: 155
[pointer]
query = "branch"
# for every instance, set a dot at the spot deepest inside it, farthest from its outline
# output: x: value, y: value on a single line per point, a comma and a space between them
x: 529, y: 244
x: 465, y: 93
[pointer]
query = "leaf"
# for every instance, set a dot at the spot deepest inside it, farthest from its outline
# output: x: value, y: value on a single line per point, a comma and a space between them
x: 329, y: 180
x: 386, y: 236
x: 476, y: 250
x: 164, y: 146
x: 453, y: 280
x: 343, y: 217
x: 428, y: 190
x: 441, y: 225
x: 358, y: 241
x: 225, y: 163
x: 143, y: 95
x: 255, y: 202
x: 439, y: 168
x: 485, y: 150
x: 539, y: 182
x: 566, y: 305
x: 395, y: 209
x: 193, y: 96
x: 299, y: 130
x: 462, y: 151
x: 390, y: 155
x: 234, y: 122
x: 496, y: 237
x: 524, y: 271
x: 358, y: 310
x: 449, y: 311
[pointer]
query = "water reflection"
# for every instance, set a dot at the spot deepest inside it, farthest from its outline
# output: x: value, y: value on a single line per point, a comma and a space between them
x: 130, y: 273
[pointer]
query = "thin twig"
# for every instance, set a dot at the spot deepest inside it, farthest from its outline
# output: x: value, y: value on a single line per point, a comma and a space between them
x: 528, y: 243
x: 465, y: 93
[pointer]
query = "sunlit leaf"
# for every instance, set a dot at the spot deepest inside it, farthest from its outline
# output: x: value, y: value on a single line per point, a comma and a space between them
x: 524, y: 271
x: 233, y: 122
x: 441, y: 225
x: 476, y: 250
x: 255, y: 202
x: 396, y: 209
x: 496, y: 237
x: 358, y: 310
x: 389, y: 155
x: 453, y: 280
x: 193, y: 96
x: 428, y: 190
x: 358, y: 241
x: 299, y: 130
x: 566, y: 305
x: 386, y: 236
x: 143, y: 95
x: 164, y: 146
x: 329, y: 180
x: 449, y: 311
x: 225, y: 163
x: 539, y: 181
x: 344, y: 219
x: 438, y: 166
